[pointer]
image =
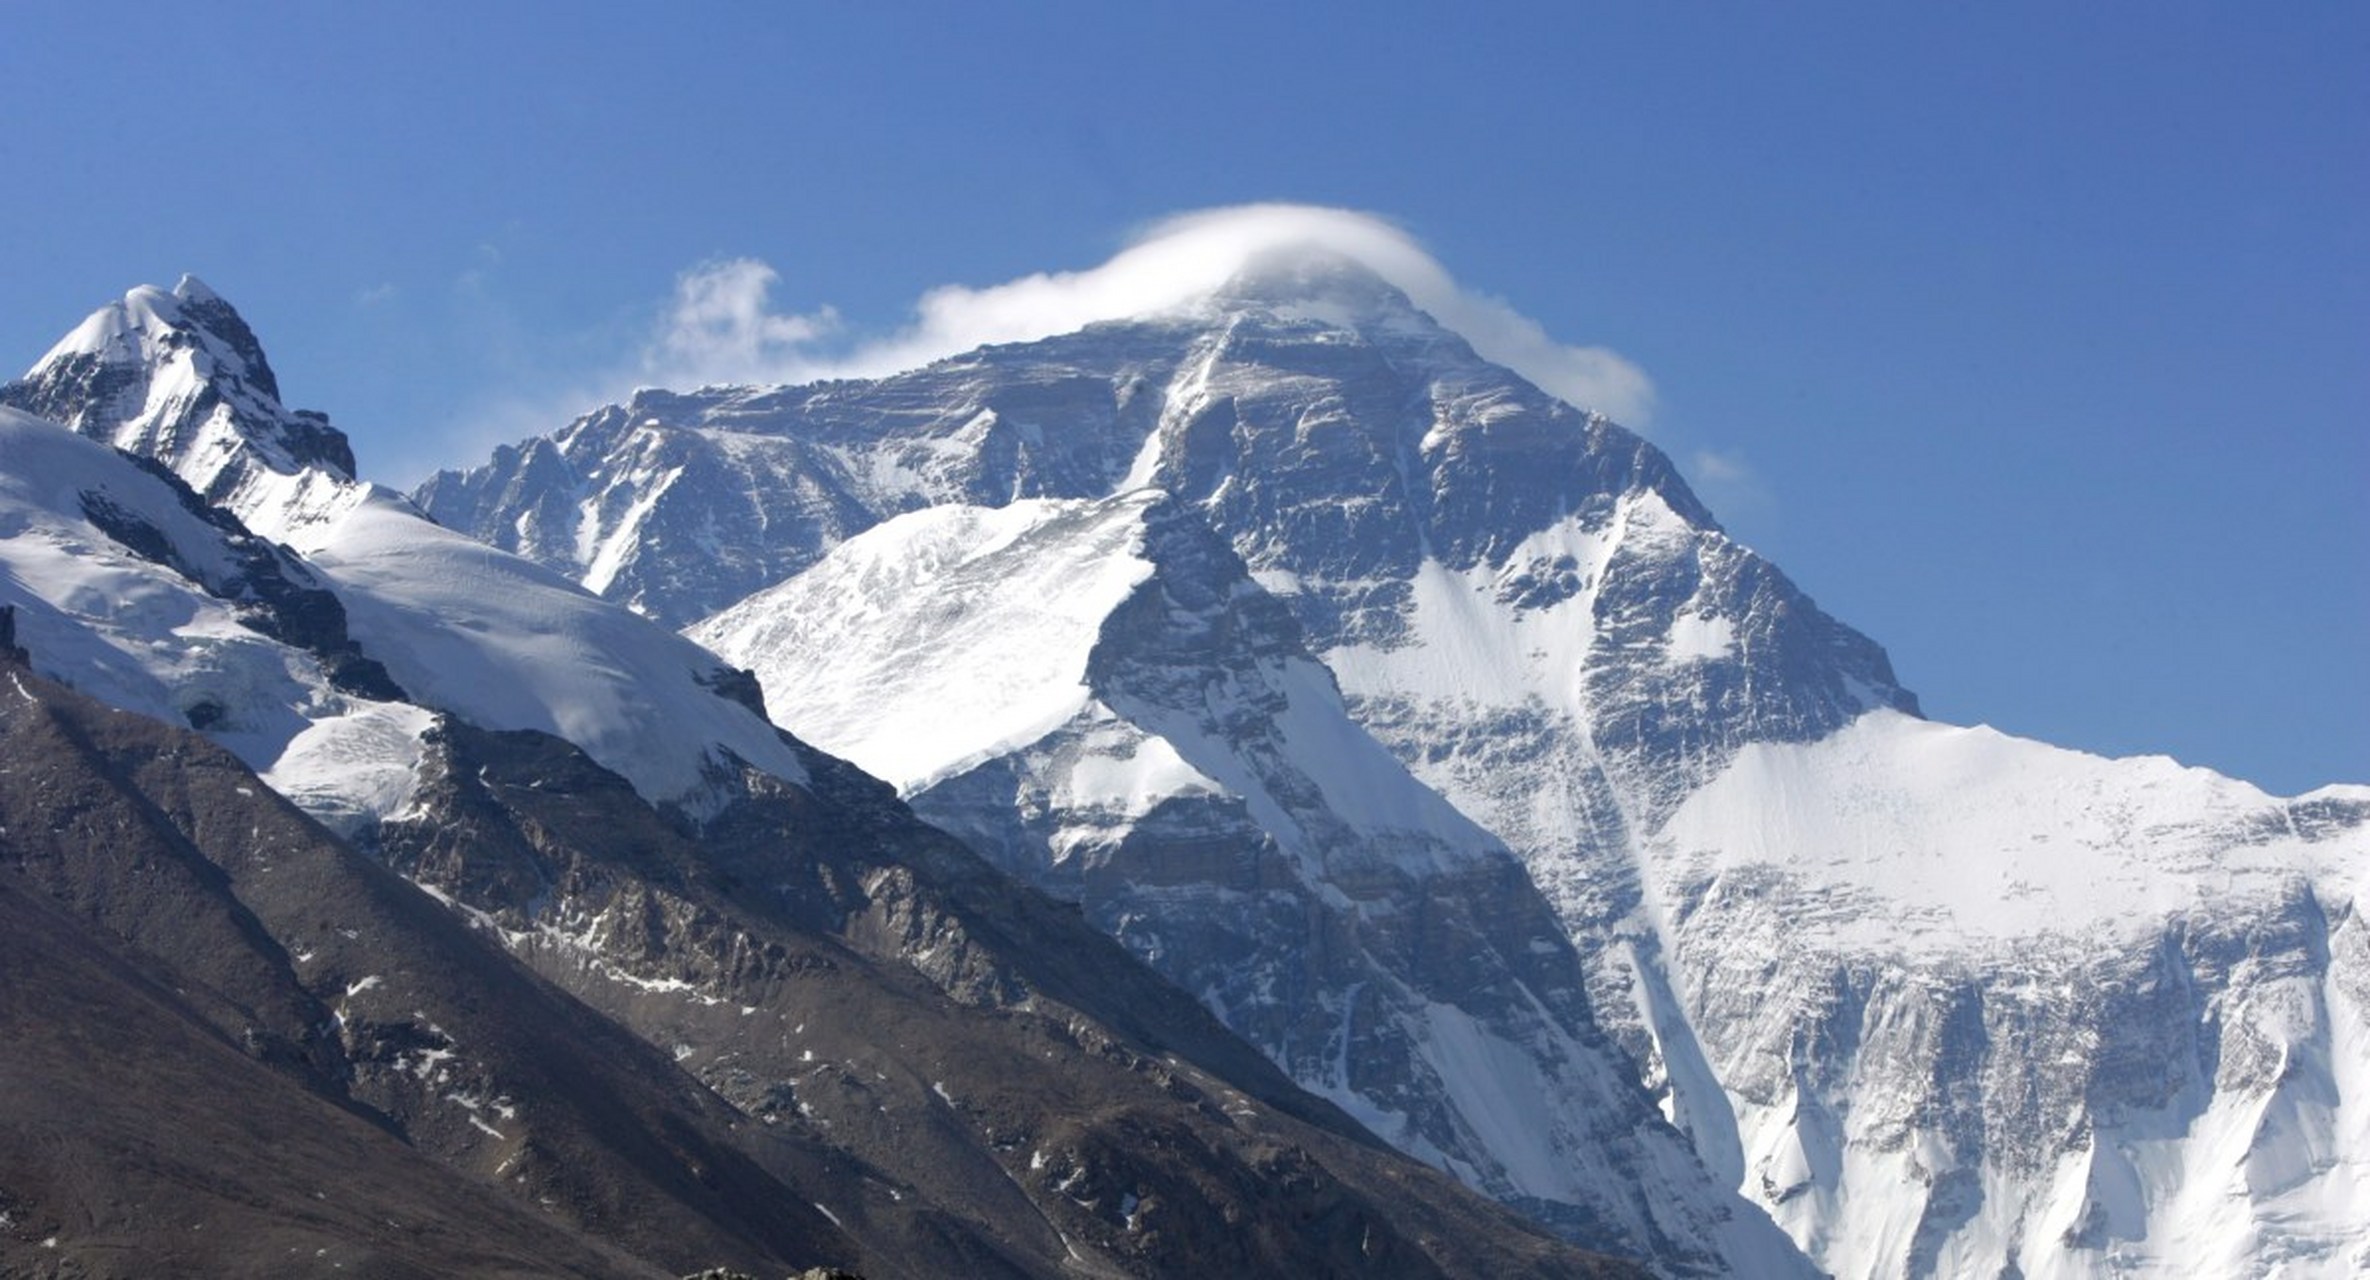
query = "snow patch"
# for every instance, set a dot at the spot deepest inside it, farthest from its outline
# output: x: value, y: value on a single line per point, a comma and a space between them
x: 1127, y: 773
x: 878, y: 614
x: 1930, y: 835
x: 1701, y: 637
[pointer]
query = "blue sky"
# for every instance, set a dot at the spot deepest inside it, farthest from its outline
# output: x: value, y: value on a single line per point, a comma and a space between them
x: 2032, y: 339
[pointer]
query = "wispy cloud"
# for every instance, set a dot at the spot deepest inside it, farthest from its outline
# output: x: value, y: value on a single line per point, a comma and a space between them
x: 1715, y: 466
x: 721, y: 326
x: 1727, y: 480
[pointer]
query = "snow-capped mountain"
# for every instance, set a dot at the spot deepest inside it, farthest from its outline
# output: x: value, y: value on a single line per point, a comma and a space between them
x: 179, y: 379
x: 824, y: 1031
x: 1944, y: 1002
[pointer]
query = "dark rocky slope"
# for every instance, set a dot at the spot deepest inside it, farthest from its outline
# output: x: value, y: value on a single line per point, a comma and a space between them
x: 842, y: 971
x: 229, y: 1035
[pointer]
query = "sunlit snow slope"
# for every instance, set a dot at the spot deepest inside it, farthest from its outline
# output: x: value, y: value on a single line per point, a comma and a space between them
x: 123, y: 588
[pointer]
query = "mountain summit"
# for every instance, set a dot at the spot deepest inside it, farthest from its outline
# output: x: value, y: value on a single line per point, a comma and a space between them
x: 179, y: 377
x: 1370, y: 486
x: 1332, y: 284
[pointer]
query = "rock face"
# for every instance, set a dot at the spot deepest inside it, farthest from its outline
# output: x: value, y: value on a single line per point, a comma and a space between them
x: 719, y: 997
x: 1942, y: 1002
x: 1097, y: 695
x: 1005, y: 1091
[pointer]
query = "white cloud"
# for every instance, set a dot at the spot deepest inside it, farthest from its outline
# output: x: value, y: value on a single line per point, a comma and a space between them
x: 1714, y: 466
x: 721, y: 328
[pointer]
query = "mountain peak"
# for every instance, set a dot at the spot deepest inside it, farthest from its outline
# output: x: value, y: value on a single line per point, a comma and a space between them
x: 178, y: 375
x: 1298, y: 272
x: 149, y: 323
x: 192, y: 289
x: 1310, y: 283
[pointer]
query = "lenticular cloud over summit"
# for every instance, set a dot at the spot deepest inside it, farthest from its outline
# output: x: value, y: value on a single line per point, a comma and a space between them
x: 721, y: 330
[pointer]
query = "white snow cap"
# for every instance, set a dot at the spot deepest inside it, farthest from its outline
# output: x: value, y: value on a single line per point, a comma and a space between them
x: 127, y: 331
x: 1174, y: 264
x: 192, y: 289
